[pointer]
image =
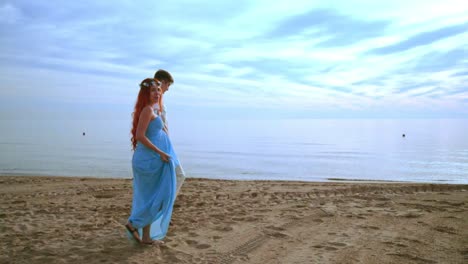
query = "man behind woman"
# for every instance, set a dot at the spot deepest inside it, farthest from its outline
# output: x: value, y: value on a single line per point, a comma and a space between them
x: 154, y: 165
x: 166, y: 81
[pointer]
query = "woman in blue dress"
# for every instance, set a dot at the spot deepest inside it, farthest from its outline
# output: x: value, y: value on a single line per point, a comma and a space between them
x: 153, y: 166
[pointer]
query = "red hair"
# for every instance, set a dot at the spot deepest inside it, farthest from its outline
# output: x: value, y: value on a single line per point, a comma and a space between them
x: 143, y: 100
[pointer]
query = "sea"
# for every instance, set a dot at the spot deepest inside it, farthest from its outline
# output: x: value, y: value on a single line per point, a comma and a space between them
x: 409, y: 150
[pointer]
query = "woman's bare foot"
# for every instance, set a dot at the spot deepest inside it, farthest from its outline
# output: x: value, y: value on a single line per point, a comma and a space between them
x: 134, y: 232
x: 152, y: 242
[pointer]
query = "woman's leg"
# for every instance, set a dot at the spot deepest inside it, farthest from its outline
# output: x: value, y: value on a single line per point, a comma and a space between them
x: 146, y: 233
x: 146, y: 236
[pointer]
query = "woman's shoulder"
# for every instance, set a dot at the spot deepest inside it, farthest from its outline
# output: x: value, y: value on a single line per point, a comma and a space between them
x: 148, y: 112
x: 147, y: 109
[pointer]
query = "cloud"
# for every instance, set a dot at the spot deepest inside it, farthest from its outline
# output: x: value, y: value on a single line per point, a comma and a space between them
x: 9, y: 14
x: 422, y: 39
x: 461, y: 73
x: 337, y: 29
x: 437, y: 61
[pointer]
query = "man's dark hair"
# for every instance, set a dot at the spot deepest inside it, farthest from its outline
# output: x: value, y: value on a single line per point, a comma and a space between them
x: 163, y: 75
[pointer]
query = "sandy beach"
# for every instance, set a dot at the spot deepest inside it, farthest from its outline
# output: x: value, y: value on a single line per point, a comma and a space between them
x: 80, y: 220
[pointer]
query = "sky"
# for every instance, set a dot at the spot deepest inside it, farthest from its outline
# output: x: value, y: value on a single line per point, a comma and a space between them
x: 240, y: 59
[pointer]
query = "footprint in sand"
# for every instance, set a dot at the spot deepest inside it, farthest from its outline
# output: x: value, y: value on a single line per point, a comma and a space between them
x: 252, y: 218
x: 192, y: 234
x: 464, y: 252
x: 411, y: 257
x: 391, y: 243
x: 196, y: 245
x: 276, y: 228
x: 456, y: 203
x: 218, y: 216
x: 275, y: 234
x: 452, y: 217
x: 330, y: 248
x: 223, y: 228
x: 104, y: 196
x: 202, y: 246
x: 338, y: 244
x: 445, y: 229
x: 410, y: 214
x: 191, y: 242
x: 369, y: 227
x: 20, y: 228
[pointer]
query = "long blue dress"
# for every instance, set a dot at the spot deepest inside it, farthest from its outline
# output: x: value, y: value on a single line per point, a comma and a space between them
x: 154, y: 183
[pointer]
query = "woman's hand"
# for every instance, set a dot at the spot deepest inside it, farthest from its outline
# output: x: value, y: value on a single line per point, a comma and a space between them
x: 164, y: 157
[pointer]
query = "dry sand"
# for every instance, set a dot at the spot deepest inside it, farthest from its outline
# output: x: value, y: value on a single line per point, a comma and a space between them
x: 80, y: 220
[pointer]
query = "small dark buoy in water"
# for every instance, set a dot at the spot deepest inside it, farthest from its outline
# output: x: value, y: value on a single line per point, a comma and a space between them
x: 84, y: 133
x: 403, y: 135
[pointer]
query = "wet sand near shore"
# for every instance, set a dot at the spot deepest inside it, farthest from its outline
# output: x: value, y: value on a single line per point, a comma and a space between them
x: 80, y: 220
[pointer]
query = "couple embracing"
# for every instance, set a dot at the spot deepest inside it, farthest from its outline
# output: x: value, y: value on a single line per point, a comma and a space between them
x: 157, y: 174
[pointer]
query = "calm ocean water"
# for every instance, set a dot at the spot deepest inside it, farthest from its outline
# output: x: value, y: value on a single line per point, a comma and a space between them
x: 305, y: 150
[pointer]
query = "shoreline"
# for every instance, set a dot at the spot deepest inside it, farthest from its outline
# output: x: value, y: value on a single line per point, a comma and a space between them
x: 80, y: 219
x: 325, y: 180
